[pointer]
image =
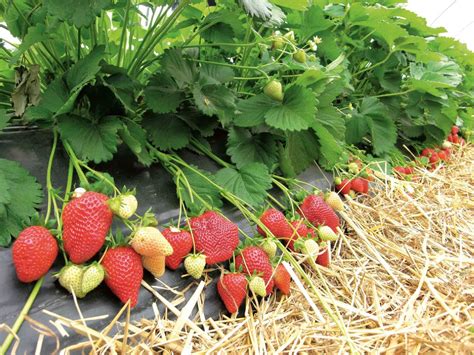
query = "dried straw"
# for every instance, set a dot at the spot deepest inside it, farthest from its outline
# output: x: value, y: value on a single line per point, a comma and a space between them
x: 401, y: 281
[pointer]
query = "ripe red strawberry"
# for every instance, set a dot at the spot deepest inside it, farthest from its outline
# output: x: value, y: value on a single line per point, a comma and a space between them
x: 344, y: 187
x: 400, y: 170
x: 182, y: 243
x: 427, y: 152
x: 316, y: 211
x: 276, y: 222
x: 358, y: 185
x: 365, y: 184
x: 86, y: 222
x: 455, y: 139
x: 434, y: 158
x: 123, y: 273
x: 254, y: 260
x: 442, y: 155
x: 409, y: 170
x: 34, y: 252
x: 447, y: 151
x: 282, y: 279
x: 324, y: 257
x: 232, y: 289
x: 454, y: 130
x: 215, y: 236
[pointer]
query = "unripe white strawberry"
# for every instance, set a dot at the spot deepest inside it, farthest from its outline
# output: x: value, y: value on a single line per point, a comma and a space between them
x: 270, y: 247
x: 447, y: 145
x: 334, y: 201
x: 326, y: 233
x: 124, y: 206
x: 70, y: 277
x: 92, y: 277
x: 257, y: 285
x: 195, y: 264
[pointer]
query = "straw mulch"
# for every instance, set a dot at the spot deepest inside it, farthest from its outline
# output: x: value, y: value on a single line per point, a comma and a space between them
x: 401, y: 281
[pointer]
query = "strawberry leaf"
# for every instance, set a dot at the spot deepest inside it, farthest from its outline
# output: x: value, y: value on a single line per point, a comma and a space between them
x: 330, y: 150
x: 210, y: 99
x: 167, y: 131
x: 295, y: 113
x: 79, y: 13
x: 250, y: 182
x: 300, y: 150
x: 243, y: 146
x: 20, y: 195
x: 162, y: 95
x: 251, y: 112
x: 96, y: 141
x: 4, y: 118
x: 178, y: 67
x: 373, y: 118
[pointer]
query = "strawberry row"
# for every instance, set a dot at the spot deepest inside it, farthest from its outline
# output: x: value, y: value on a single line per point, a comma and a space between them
x: 207, y: 239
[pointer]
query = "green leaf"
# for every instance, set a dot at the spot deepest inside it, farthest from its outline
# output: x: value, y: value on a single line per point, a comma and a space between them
x: 96, y: 141
x: 314, y: 21
x: 167, y: 131
x: 4, y: 118
x: 330, y: 150
x: 123, y: 87
x: 332, y: 119
x: 244, y: 147
x: 356, y: 128
x: 377, y: 19
x: 134, y: 136
x: 80, y: 13
x: 162, y: 95
x: 300, y: 5
x: 177, y: 66
x: 295, y: 113
x: 211, y: 99
x: 250, y: 182
x: 201, y: 182
x: 35, y: 34
x: 85, y: 69
x: 373, y: 118
x: 300, y: 151
x: 434, y: 76
x: 210, y: 74
x: 20, y: 195
x: 251, y: 112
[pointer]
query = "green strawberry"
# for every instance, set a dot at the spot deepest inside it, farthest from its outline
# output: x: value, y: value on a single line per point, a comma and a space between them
x: 194, y: 264
x: 326, y: 233
x: 70, y: 277
x: 353, y: 168
x: 307, y: 246
x: 92, y: 277
x: 124, y: 205
x: 300, y: 56
x: 278, y: 43
x: 334, y: 201
x: 257, y: 285
x: 269, y: 246
x: 274, y: 90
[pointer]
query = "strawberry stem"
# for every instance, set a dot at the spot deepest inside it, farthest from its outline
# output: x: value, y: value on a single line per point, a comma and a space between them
x: 21, y: 317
